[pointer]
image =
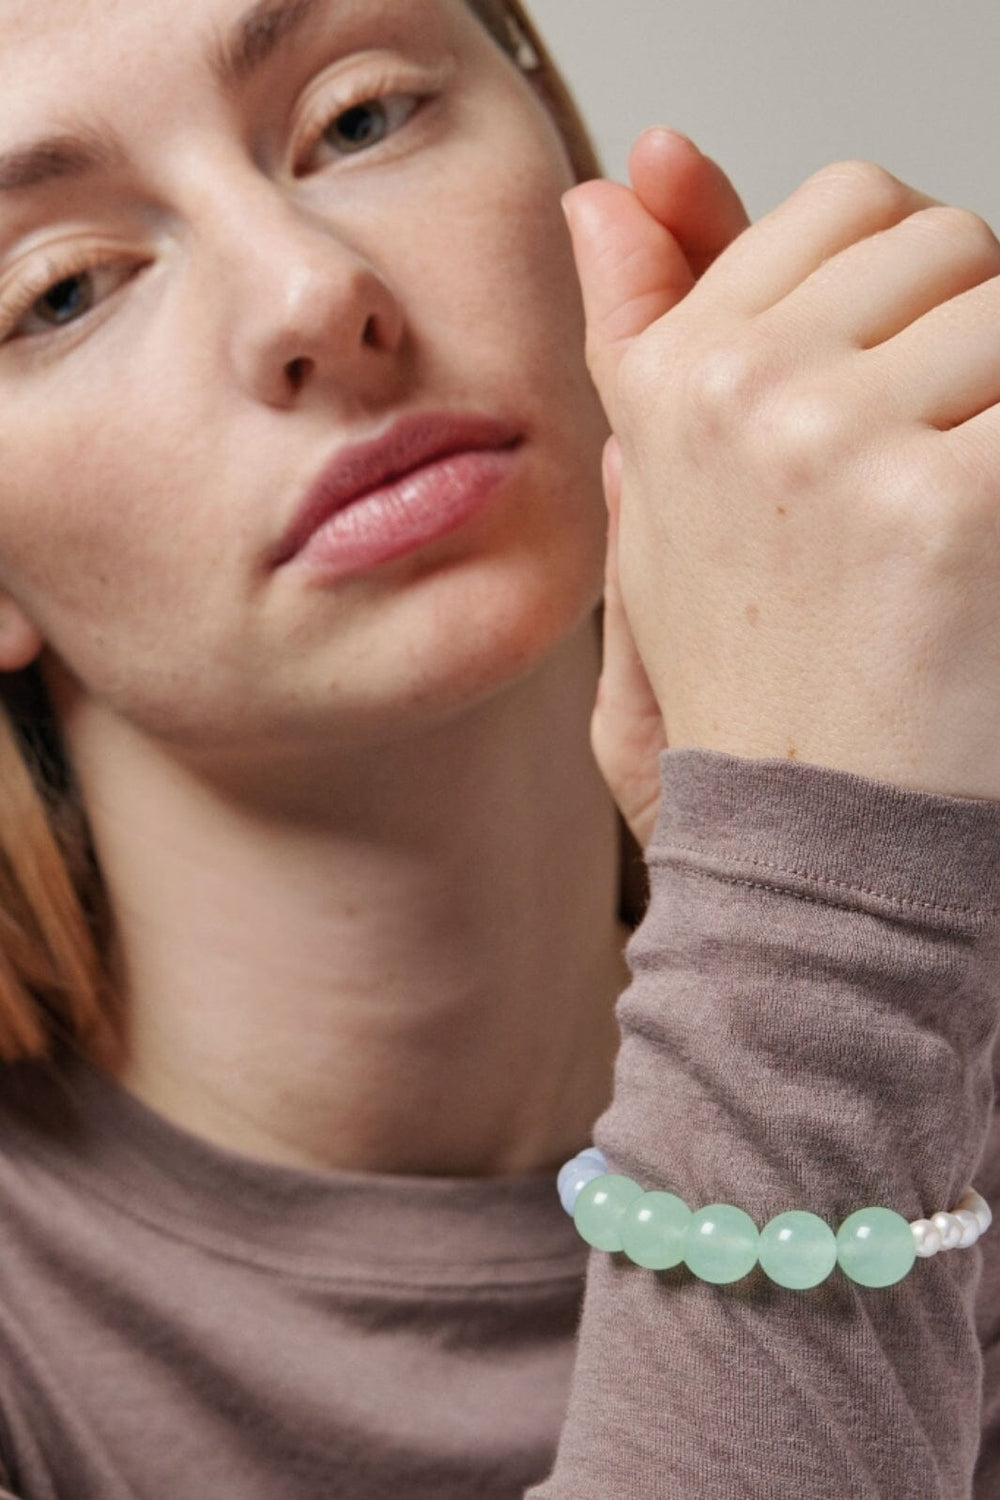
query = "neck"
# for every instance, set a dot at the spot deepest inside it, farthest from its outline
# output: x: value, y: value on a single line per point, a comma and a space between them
x: 414, y: 974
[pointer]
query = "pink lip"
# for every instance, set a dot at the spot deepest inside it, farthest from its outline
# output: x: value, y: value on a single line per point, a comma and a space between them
x: 371, y: 470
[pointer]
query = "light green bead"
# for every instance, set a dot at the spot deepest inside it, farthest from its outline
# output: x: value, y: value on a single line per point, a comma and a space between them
x: 721, y: 1243
x: 875, y: 1247
x: 600, y: 1207
x: 653, y: 1230
x: 797, y: 1249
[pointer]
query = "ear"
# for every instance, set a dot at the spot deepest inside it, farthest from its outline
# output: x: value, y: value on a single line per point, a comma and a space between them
x: 20, y: 641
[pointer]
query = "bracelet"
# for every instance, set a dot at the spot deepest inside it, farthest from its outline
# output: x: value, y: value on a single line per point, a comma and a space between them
x: 874, y: 1247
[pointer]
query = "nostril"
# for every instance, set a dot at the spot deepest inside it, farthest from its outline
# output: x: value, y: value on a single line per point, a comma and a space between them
x: 370, y: 335
x: 297, y: 372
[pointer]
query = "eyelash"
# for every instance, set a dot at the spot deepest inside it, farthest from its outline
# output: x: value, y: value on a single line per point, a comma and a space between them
x: 55, y: 269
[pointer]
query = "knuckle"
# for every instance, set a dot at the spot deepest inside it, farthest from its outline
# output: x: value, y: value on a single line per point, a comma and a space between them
x: 963, y: 228
x: 908, y: 494
x: 726, y: 381
x: 940, y: 505
x: 804, y: 434
x: 867, y: 179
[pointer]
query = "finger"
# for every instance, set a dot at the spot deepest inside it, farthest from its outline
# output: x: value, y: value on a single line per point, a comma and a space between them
x: 835, y: 207
x: 688, y: 193
x: 611, y: 469
x: 942, y: 370
x: 626, y: 679
x: 877, y: 287
x: 627, y: 733
x: 632, y: 270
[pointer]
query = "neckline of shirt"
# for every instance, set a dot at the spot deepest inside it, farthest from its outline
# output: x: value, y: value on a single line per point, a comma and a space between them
x: 103, y: 1141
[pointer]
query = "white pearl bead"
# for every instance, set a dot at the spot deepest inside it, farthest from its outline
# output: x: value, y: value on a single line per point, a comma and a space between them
x: 978, y: 1205
x: 927, y: 1238
x: 970, y: 1227
x: 949, y: 1229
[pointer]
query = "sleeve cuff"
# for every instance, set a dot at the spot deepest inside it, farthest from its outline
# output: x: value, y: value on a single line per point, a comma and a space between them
x: 823, y: 833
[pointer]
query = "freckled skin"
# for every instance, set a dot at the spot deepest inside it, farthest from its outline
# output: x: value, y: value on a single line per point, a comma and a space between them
x: 167, y: 448
x: 362, y: 864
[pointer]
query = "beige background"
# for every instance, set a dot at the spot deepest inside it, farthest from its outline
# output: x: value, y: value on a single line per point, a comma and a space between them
x: 773, y: 89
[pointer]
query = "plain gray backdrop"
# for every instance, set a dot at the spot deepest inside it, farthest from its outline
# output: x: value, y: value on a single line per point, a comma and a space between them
x: 774, y: 89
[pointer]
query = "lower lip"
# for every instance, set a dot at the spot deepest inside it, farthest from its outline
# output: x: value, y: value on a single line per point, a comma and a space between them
x: 400, y: 517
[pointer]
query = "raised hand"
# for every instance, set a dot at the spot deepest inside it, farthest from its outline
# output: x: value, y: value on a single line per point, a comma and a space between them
x: 654, y: 243
x: 809, y: 528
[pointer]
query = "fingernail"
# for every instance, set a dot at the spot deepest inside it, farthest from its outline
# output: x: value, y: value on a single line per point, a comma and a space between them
x: 678, y: 135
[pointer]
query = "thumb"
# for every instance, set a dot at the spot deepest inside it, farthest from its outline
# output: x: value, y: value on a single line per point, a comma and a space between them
x: 632, y: 270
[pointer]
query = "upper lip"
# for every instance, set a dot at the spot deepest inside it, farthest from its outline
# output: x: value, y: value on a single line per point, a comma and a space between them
x: 412, y: 441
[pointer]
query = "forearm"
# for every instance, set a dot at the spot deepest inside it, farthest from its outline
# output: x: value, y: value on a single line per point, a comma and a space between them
x: 810, y: 1025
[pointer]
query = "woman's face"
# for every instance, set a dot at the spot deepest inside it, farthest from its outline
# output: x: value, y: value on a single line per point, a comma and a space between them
x: 270, y: 273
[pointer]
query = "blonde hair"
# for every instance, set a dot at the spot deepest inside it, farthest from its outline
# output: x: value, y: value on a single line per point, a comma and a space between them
x: 56, y: 988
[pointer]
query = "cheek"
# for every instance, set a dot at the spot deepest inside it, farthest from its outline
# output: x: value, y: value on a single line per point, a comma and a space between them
x: 66, y: 530
x: 499, y: 294
x: 97, y: 531
x: 505, y: 262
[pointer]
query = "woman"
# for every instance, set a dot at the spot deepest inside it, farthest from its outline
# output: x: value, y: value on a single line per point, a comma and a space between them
x: 311, y: 885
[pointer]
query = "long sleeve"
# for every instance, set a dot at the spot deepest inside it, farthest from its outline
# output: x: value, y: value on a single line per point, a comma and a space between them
x: 810, y: 1024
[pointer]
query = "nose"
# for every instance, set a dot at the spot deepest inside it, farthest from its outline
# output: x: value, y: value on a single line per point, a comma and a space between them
x: 306, y: 306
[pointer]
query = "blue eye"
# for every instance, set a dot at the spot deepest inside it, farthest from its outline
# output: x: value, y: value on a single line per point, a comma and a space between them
x: 65, y: 301
x: 367, y: 124
x: 61, y: 291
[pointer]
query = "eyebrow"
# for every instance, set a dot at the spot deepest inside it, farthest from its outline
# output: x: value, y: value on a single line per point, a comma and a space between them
x: 85, y: 149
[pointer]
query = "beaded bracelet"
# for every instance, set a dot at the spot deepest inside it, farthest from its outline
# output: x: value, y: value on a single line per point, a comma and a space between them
x: 875, y: 1247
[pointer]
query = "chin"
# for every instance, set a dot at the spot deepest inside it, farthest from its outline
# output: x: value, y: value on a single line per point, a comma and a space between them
x: 487, y: 638
x: 446, y: 635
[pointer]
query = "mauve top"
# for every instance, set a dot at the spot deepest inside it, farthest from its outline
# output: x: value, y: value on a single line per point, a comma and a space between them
x: 810, y: 1024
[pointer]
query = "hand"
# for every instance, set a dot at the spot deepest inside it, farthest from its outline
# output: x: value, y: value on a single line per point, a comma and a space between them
x: 682, y: 213
x: 809, y: 526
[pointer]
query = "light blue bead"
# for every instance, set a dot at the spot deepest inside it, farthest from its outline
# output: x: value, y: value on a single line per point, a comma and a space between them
x: 576, y: 1174
x: 653, y: 1230
x: 721, y: 1243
